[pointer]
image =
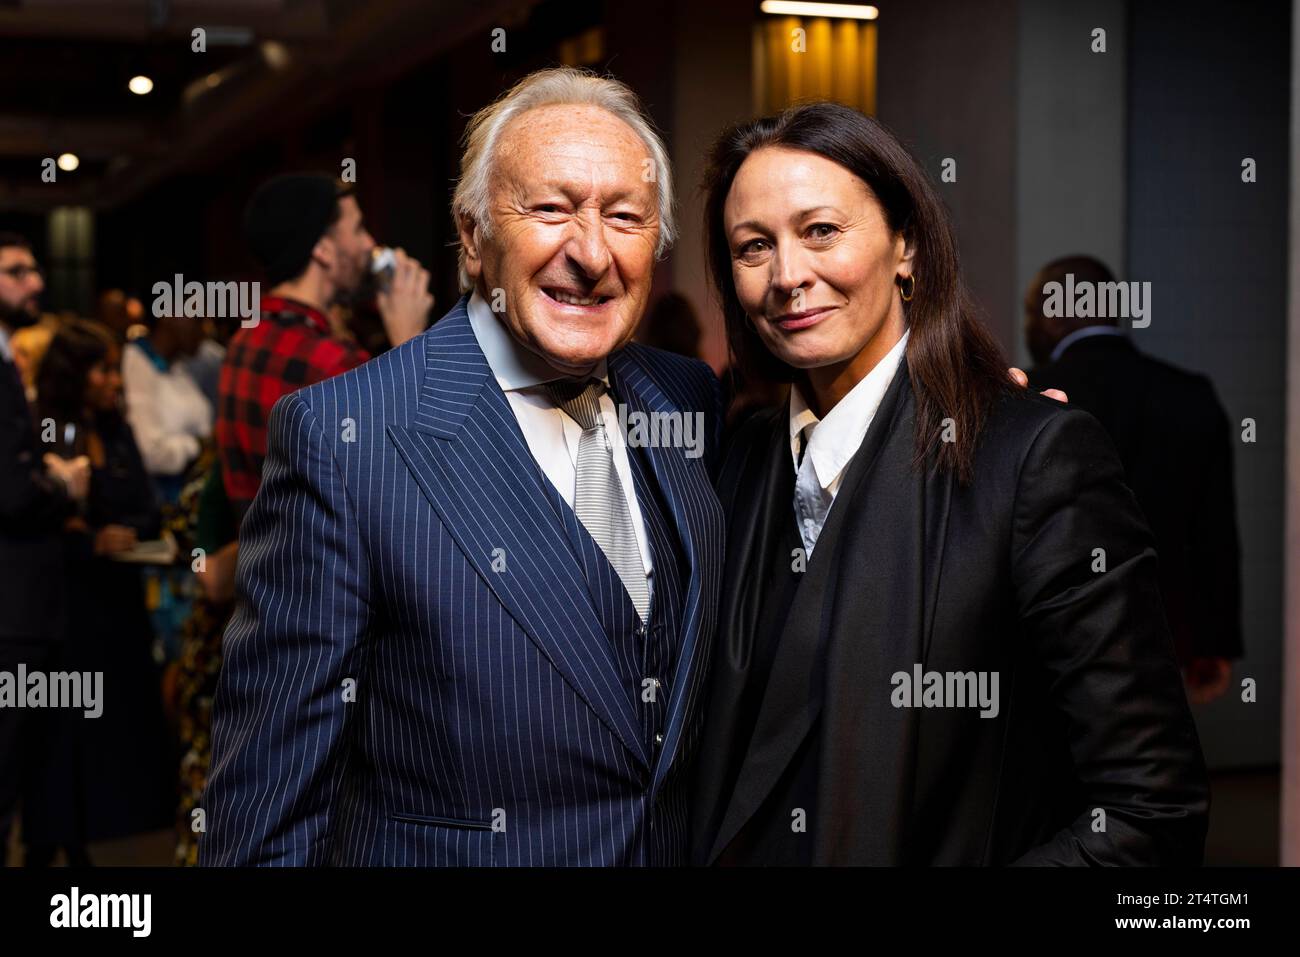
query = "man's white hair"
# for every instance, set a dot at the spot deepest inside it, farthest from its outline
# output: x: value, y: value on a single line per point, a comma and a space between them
x: 560, y: 86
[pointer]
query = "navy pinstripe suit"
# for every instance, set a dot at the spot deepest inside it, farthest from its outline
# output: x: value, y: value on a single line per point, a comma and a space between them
x: 405, y: 539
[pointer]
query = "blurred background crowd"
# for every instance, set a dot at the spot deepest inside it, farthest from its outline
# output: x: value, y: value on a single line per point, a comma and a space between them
x: 291, y: 142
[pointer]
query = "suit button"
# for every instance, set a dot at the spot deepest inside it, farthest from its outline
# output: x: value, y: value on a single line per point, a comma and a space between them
x: 640, y: 629
x: 659, y: 739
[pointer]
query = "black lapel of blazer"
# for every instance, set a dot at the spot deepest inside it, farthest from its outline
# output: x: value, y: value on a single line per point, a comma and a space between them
x: 794, y: 695
x: 891, y: 552
x: 756, y: 499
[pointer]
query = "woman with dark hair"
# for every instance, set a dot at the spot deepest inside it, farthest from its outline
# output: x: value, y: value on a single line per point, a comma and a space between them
x: 941, y: 639
x: 111, y: 775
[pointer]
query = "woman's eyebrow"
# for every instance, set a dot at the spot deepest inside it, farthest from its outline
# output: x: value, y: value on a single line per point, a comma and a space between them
x: 797, y: 217
x: 804, y: 214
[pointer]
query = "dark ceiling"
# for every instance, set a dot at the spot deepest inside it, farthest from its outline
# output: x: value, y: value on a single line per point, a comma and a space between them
x: 65, y: 64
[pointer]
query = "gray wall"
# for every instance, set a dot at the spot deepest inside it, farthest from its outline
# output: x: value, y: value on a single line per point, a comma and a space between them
x: 1070, y: 139
x: 1207, y: 89
x: 947, y: 87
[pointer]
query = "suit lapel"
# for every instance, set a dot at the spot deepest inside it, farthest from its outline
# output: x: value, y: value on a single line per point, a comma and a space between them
x: 695, y: 515
x: 883, y: 622
x: 795, y: 692
x: 467, y: 454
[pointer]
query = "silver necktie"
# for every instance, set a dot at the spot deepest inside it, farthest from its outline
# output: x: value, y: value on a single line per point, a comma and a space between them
x: 811, y: 502
x: 599, y: 502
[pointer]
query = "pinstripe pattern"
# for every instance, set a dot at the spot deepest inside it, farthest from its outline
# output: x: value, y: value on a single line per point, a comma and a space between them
x: 641, y: 652
x: 426, y: 560
x: 659, y: 646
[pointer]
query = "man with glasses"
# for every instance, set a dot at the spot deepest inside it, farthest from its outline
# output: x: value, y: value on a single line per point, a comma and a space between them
x: 37, y: 492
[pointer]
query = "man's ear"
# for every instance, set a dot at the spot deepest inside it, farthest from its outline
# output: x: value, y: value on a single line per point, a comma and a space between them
x: 324, y: 253
x: 468, y: 231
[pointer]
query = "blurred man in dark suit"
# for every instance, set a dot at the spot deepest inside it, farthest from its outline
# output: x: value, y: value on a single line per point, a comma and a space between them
x: 1176, y: 445
x: 37, y: 492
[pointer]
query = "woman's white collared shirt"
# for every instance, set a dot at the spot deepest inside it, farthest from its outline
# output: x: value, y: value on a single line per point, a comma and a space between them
x: 832, y: 442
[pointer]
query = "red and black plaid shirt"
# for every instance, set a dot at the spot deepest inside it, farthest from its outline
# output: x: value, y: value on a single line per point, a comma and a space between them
x: 290, y: 347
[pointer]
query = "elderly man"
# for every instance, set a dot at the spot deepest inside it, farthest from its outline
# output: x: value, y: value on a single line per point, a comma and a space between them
x: 475, y: 615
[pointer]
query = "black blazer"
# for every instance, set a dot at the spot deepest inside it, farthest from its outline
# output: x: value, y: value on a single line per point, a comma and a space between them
x: 32, y: 510
x: 994, y: 577
x: 1176, y: 445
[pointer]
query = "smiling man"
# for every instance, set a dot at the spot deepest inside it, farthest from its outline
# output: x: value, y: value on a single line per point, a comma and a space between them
x: 474, y: 620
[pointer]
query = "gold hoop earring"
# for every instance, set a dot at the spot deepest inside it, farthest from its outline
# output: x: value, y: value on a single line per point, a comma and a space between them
x: 910, y: 290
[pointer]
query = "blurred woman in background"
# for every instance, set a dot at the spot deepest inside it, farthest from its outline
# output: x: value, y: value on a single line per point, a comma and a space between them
x: 110, y: 776
x: 172, y: 420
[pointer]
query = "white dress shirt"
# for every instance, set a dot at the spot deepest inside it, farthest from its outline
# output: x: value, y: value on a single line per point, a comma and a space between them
x: 551, y: 433
x: 168, y: 412
x: 832, y: 443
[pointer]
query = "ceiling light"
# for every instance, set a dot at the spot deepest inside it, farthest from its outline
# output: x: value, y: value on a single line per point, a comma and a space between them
x: 275, y: 54
x: 842, y: 11
x: 140, y: 85
x: 68, y: 162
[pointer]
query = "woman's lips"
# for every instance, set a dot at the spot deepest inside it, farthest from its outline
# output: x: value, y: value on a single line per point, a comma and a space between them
x: 792, y: 321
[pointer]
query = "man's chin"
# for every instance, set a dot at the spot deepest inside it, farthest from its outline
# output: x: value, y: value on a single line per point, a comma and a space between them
x: 572, y: 358
x: 573, y: 363
x: 574, y: 353
x: 19, y: 318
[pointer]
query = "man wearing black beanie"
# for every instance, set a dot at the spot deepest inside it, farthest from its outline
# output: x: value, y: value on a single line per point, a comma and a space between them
x: 305, y: 230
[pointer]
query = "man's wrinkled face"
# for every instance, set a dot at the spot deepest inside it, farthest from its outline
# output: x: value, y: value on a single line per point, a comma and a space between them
x: 20, y: 286
x: 573, y: 230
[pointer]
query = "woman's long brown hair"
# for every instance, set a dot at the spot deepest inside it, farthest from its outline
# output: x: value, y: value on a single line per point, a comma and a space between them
x: 61, y: 382
x: 956, y: 367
